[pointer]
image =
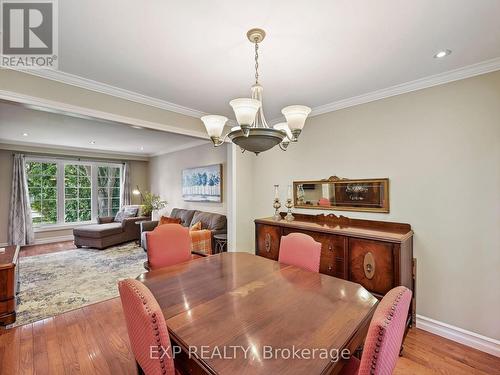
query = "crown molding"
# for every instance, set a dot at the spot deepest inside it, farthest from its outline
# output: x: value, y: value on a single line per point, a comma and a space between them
x: 103, y: 88
x: 473, y: 70
x: 469, y: 71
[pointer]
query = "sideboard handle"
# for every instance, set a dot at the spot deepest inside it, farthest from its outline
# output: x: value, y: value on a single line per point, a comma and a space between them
x: 267, y: 242
x: 369, y: 265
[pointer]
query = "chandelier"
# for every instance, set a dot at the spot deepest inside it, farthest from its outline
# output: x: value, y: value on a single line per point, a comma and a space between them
x: 253, y: 133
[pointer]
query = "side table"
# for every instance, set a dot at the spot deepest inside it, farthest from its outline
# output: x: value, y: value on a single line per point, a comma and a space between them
x: 220, y: 243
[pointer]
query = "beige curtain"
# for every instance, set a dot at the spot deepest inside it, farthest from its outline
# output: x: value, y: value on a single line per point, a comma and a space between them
x: 20, y: 224
x: 125, y: 198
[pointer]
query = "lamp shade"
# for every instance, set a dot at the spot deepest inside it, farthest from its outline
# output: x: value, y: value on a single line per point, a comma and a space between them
x: 296, y: 116
x: 283, y: 126
x: 245, y: 110
x: 214, y: 125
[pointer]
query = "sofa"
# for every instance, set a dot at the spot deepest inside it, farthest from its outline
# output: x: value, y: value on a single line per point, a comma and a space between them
x: 108, y: 232
x: 216, y: 223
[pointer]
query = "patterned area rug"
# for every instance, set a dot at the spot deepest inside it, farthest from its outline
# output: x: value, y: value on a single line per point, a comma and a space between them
x: 58, y: 282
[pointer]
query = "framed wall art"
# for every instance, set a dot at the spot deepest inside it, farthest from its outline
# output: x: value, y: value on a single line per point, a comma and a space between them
x: 202, y: 184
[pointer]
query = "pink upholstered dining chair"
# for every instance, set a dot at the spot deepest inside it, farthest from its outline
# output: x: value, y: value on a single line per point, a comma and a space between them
x: 298, y: 249
x: 168, y: 244
x: 147, y: 329
x: 385, y: 335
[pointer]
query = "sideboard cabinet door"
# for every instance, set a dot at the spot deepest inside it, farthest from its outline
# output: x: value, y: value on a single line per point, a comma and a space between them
x: 268, y: 241
x: 371, y: 265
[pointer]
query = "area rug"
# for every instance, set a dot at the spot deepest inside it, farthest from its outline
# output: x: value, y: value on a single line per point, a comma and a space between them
x: 54, y: 283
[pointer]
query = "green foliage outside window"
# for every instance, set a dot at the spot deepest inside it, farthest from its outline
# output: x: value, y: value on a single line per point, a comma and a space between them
x: 108, y: 190
x: 42, y: 188
x: 77, y: 193
x: 76, y: 188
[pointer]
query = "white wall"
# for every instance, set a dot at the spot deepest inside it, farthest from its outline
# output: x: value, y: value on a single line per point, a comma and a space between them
x: 241, y: 235
x: 165, y: 175
x: 440, y: 147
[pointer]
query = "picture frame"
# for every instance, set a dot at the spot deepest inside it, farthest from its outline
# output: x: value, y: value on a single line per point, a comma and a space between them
x: 203, y: 184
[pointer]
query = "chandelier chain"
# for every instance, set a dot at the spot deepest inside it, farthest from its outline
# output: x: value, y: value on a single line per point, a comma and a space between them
x: 256, y: 63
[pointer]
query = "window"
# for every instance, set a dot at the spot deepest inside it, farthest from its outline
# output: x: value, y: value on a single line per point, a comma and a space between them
x: 108, y: 190
x: 77, y: 193
x: 42, y: 188
x: 65, y: 191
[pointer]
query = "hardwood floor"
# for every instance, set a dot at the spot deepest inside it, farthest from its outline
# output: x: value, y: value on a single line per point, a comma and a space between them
x: 55, y: 247
x: 93, y: 340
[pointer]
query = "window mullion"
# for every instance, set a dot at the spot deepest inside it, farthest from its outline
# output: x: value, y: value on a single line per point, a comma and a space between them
x: 93, y: 195
x: 60, y: 192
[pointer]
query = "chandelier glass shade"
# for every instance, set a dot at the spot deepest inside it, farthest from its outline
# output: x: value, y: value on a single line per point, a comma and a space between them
x: 253, y: 133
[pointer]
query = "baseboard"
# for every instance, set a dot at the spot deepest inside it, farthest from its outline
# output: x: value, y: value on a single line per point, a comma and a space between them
x: 42, y: 241
x: 4, y: 244
x: 462, y: 336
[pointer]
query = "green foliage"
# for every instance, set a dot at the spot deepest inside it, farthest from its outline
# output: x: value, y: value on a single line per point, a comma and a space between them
x: 152, y: 202
x: 77, y: 193
x: 42, y: 188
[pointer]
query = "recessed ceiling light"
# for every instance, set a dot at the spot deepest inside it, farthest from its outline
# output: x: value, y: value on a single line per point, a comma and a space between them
x: 442, y: 53
x: 136, y: 127
x: 142, y: 148
x: 92, y: 142
x: 25, y: 134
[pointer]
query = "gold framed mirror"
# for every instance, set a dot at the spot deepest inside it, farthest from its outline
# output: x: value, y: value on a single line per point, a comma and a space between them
x: 341, y: 194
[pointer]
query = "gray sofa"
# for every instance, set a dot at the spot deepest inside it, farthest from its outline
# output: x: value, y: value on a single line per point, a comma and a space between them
x: 217, y: 223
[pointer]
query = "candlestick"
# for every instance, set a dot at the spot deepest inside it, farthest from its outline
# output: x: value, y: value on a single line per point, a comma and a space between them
x: 289, y: 192
x: 276, y: 203
x: 289, y: 205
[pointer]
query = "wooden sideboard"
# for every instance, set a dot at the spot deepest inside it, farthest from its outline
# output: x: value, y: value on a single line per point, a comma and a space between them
x: 376, y: 254
x: 9, y: 284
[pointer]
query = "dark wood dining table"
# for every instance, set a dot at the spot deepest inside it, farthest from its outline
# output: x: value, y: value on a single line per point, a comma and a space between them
x: 238, y: 313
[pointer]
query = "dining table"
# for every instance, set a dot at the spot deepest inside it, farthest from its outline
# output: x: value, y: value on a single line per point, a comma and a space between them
x: 239, y: 313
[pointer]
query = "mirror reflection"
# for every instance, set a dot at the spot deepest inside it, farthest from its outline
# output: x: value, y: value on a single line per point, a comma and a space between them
x: 343, y: 194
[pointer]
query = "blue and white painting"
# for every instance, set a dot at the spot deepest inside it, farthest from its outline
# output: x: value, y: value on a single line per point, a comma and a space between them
x: 202, y: 184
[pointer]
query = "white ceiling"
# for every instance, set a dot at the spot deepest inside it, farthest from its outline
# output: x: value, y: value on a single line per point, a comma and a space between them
x: 195, y: 53
x: 62, y: 131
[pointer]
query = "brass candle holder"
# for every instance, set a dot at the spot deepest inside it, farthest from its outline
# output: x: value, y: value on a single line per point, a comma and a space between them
x: 289, y: 205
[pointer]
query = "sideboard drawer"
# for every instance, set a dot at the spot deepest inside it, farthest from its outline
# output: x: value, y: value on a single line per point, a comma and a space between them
x: 268, y: 241
x: 371, y: 265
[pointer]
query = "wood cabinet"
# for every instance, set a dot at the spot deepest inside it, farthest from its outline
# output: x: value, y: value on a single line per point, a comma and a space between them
x: 9, y: 280
x: 268, y: 241
x: 376, y: 254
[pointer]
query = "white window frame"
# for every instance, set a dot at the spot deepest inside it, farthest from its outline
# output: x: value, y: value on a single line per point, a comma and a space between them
x: 61, y: 163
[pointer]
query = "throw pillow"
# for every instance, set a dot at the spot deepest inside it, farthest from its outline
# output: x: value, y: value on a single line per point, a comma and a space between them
x: 169, y: 220
x: 125, y: 213
x: 195, y: 226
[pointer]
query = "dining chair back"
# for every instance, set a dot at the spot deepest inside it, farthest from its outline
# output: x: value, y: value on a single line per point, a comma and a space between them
x: 385, y: 336
x: 301, y: 250
x: 168, y: 244
x: 147, y: 329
